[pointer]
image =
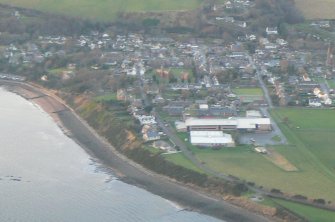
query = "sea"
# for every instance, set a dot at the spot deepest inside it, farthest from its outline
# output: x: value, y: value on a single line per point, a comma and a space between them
x: 45, y: 176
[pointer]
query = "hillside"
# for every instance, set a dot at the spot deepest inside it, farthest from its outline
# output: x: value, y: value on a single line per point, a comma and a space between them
x: 104, y: 10
x: 321, y: 9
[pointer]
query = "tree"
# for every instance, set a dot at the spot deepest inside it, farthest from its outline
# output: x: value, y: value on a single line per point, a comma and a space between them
x: 172, y: 79
x: 150, y: 22
x: 319, y: 201
x: 282, y: 30
x: 251, y: 47
x: 148, y: 109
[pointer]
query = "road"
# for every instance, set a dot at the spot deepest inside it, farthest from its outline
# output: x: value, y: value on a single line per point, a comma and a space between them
x: 265, y: 110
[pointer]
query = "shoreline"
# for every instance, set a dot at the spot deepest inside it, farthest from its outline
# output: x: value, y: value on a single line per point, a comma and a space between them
x: 127, y: 170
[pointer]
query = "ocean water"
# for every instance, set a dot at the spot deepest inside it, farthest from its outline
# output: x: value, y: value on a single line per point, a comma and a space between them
x: 45, y: 176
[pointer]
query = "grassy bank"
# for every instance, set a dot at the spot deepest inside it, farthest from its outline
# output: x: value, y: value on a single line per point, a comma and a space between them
x: 310, y: 213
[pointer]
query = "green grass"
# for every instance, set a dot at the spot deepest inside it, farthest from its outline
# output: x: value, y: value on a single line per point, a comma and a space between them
x: 331, y: 83
x: 104, y: 10
x: 312, y: 214
x: 248, y: 91
x: 312, y: 149
x: 177, y: 72
x: 152, y: 150
x: 181, y: 160
x: 57, y: 72
x: 107, y: 97
x: 276, y: 138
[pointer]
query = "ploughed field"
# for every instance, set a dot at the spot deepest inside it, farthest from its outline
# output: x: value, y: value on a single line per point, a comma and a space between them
x: 104, y: 10
x: 320, y: 9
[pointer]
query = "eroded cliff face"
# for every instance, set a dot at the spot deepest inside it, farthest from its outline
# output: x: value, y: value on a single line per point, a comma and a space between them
x: 106, y: 123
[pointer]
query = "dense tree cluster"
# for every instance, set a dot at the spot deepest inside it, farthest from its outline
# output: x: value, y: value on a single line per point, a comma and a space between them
x: 274, y: 13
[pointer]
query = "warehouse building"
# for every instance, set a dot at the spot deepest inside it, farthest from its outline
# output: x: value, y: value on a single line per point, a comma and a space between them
x: 239, y: 123
x: 211, y: 139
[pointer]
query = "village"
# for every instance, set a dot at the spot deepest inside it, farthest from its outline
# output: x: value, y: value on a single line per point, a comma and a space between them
x: 244, y: 97
x: 217, y: 90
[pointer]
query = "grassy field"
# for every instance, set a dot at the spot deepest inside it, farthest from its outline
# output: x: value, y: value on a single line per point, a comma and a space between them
x: 321, y: 9
x: 106, y: 98
x: 104, y: 10
x: 310, y: 213
x: 248, y: 91
x: 311, y: 150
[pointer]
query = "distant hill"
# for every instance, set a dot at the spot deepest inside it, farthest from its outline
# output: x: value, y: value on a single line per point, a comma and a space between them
x: 103, y: 10
x: 317, y: 9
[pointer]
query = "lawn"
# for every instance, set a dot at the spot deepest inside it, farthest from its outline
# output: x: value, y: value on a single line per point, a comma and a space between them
x: 152, y: 150
x: 310, y: 213
x: 106, y: 97
x: 104, y: 10
x: 331, y: 83
x: 178, y: 72
x: 248, y: 91
x: 320, y: 9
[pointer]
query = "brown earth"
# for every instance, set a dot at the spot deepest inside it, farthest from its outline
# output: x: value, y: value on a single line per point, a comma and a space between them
x: 279, y: 160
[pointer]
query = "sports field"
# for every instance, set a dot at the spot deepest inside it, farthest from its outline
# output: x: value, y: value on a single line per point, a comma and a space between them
x: 311, y: 135
x: 320, y: 9
x: 104, y: 10
x: 248, y: 91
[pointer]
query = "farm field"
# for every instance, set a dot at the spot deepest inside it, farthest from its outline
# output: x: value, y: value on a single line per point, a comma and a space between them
x: 321, y: 9
x: 103, y: 10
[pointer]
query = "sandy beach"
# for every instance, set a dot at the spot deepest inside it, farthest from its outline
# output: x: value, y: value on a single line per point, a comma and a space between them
x: 128, y: 171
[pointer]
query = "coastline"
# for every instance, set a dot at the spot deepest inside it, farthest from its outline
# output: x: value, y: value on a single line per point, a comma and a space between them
x: 127, y: 171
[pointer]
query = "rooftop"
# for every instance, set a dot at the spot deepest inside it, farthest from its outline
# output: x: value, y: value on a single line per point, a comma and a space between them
x: 210, y: 137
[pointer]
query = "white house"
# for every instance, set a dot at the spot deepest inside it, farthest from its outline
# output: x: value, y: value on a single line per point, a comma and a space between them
x: 314, y: 102
x: 271, y: 30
